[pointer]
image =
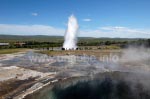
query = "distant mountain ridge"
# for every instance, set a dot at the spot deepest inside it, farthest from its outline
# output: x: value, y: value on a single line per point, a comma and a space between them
x: 45, y: 38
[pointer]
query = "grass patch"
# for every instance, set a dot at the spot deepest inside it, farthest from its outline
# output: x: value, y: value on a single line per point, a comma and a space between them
x: 96, y: 53
x: 9, y: 51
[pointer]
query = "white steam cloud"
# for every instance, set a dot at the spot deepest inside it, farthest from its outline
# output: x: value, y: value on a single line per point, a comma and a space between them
x: 71, y: 34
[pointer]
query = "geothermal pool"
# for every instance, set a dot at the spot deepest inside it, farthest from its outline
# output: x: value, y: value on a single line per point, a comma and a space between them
x: 110, y: 85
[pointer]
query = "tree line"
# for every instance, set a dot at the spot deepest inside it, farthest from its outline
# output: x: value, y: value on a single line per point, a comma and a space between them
x: 36, y: 44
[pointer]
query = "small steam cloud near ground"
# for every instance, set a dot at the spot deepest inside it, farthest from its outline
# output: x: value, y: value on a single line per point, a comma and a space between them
x: 136, y: 59
x: 136, y: 54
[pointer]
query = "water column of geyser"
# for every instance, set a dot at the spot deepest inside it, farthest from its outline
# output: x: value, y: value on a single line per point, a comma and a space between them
x: 71, y: 34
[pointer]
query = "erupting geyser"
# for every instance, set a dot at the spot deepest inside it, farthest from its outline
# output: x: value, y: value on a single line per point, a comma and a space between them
x: 71, y: 34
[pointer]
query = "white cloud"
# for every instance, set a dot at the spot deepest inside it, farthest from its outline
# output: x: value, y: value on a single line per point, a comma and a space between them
x: 34, y: 14
x: 30, y: 30
x: 113, y: 28
x: 125, y: 29
x: 87, y: 20
x: 116, y: 31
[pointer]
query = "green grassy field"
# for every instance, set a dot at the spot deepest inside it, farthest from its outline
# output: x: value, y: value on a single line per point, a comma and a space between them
x: 86, y: 43
x: 9, y: 51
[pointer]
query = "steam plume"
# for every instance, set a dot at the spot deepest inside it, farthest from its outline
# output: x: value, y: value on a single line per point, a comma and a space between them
x: 71, y: 34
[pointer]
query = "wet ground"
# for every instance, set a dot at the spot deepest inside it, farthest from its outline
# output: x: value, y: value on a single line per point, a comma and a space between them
x: 70, y: 66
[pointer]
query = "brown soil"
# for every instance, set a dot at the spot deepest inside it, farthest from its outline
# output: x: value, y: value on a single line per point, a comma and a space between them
x: 96, y: 53
x: 11, y: 87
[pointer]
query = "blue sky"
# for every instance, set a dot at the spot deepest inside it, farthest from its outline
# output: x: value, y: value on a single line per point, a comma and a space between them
x: 96, y: 18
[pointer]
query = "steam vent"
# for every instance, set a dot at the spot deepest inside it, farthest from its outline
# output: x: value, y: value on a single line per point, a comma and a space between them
x: 71, y: 34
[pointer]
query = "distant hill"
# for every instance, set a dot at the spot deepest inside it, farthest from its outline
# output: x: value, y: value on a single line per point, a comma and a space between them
x: 43, y: 38
x: 39, y: 38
